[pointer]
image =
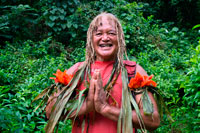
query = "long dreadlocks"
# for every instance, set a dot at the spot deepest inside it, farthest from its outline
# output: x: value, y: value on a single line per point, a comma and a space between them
x: 90, y: 53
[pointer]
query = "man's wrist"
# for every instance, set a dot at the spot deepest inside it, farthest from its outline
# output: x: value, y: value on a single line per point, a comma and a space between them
x: 111, y: 112
x: 104, y: 109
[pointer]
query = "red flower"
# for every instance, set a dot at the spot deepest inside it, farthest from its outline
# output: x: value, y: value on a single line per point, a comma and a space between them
x: 148, y: 82
x: 140, y: 81
x: 62, y: 77
x: 136, y: 81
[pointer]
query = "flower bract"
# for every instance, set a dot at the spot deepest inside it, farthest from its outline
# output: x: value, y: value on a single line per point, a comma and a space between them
x: 140, y: 81
x: 62, y: 77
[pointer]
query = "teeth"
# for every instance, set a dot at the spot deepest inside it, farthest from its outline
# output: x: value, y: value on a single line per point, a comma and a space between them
x: 105, y: 45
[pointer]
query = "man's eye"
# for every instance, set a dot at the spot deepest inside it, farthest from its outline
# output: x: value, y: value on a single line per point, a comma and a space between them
x: 112, y: 33
x: 98, y: 34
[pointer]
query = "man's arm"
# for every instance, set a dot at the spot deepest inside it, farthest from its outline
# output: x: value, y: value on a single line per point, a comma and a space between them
x: 88, y: 104
x: 52, y: 99
x: 151, y: 122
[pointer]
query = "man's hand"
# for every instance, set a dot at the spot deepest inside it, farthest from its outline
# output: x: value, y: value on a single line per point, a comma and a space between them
x: 100, y: 95
x: 90, y: 97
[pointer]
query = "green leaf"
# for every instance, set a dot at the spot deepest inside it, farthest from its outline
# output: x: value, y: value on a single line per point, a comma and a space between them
x: 71, y: 109
x: 53, y: 18
x: 53, y: 11
x: 62, y: 17
x: 83, y: 126
x: 81, y: 98
x: 125, y: 118
x: 29, y: 117
x: 175, y: 29
x: 64, y: 6
x: 3, y: 89
x: 147, y: 104
x: 196, y: 26
x: 63, y: 26
x: 197, y: 96
x: 75, y: 26
x: 137, y: 110
x: 69, y: 24
x: 65, y: 94
x: 73, y: 35
x: 50, y: 24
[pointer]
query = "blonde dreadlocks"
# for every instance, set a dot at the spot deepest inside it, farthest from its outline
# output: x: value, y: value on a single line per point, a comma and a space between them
x: 90, y: 53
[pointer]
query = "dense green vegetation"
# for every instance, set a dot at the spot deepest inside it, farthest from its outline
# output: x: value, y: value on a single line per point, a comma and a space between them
x: 38, y: 37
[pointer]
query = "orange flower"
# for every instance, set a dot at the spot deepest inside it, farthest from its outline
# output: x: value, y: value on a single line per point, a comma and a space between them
x: 62, y: 77
x: 140, y: 81
x: 136, y: 81
x: 148, y: 82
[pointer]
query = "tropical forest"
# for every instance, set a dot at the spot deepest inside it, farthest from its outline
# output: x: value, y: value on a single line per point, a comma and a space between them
x: 38, y: 37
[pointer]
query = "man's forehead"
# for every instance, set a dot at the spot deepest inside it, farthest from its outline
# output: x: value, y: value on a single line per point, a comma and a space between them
x: 104, y: 20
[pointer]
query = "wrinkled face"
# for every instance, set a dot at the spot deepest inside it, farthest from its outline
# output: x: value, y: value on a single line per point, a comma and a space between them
x: 105, y: 41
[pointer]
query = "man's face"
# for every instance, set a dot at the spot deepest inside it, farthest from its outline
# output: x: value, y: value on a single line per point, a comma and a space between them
x: 105, y: 41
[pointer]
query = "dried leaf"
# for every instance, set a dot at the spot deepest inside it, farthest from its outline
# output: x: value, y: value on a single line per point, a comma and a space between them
x: 137, y: 110
x: 125, y: 118
x: 44, y: 92
x: 59, y: 108
x: 74, y: 107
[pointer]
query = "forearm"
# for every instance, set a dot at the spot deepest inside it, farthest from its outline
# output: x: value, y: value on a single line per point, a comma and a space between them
x: 151, y: 122
x: 111, y: 112
x: 85, y: 109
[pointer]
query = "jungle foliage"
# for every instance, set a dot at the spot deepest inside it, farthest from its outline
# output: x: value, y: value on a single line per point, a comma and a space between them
x: 38, y: 37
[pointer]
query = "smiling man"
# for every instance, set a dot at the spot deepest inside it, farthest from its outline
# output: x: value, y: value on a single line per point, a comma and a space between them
x: 105, y: 50
x: 105, y: 41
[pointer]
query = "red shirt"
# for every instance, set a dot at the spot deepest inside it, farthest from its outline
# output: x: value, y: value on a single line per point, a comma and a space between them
x: 97, y: 122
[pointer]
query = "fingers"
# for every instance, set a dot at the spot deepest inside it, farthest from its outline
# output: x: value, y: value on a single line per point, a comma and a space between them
x: 91, y: 89
x: 98, y: 85
x: 96, y: 74
x: 93, y: 84
x: 96, y: 91
x: 100, y: 96
x: 91, y: 93
x: 97, y: 77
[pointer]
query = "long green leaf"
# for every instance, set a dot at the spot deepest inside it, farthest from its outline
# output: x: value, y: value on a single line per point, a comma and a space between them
x: 81, y: 99
x: 83, y: 126
x: 79, y: 106
x: 74, y: 107
x: 112, y: 74
x: 161, y: 104
x: 125, y: 118
x: 147, y: 104
x: 138, y: 114
x: 56, y: 114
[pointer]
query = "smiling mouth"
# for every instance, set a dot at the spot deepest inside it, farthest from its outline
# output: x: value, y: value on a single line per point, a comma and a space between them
x: 105, y: 45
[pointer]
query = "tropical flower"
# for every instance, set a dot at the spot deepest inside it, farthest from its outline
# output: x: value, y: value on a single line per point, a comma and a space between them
x: 62, y: 77
x: 148, y: 82
x: 140, y: 81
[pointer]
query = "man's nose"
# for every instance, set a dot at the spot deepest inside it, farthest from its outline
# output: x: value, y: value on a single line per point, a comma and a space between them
x: 105, y: 37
